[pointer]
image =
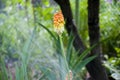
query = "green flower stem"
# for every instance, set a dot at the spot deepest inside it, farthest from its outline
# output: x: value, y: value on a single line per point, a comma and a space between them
x: 62, y: 57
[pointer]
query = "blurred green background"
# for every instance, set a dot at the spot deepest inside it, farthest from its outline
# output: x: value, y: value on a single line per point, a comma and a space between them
x: 28, y: 51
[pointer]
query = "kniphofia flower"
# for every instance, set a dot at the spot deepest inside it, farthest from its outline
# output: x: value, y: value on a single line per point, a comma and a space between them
x: 58, y: 21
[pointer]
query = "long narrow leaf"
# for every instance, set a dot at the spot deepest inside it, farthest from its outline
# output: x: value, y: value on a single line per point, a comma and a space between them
x: 81, y: 64
x: 83, y: 55
x: 47, y: 30
x: 69, y: 49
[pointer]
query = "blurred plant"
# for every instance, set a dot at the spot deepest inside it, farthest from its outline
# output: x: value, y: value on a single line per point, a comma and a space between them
x: 69, y: 76
x: 113, y: 70
x: 109, y: 22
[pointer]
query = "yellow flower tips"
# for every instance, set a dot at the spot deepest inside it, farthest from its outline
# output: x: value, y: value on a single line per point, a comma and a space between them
x: 58, y: 21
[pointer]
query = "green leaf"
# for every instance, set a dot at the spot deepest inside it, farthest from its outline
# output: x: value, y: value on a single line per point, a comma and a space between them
x: 48, y: 31
x: 82, y: 64
x: 83, y: 55
x: 69, y: 49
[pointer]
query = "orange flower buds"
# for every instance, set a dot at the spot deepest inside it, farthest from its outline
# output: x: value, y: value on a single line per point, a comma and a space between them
x: 59, y: 22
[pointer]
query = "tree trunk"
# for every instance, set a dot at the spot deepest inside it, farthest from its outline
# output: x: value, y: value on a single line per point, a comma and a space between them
x: 95, y: 67
x: 96, y: 70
